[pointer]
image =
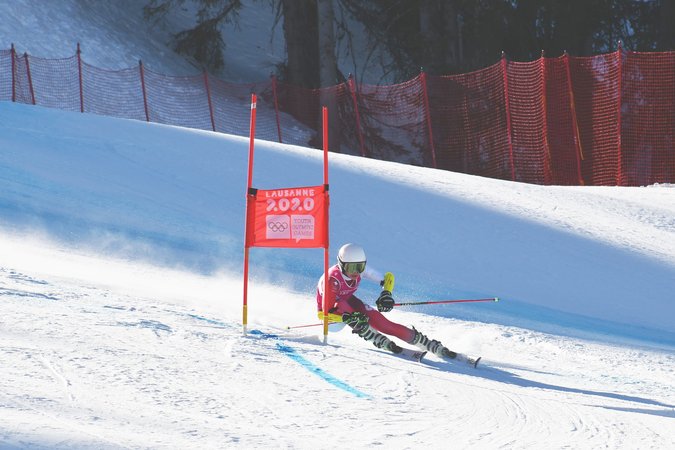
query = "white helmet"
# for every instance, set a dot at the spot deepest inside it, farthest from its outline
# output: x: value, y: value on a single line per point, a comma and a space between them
x: 351, y: 259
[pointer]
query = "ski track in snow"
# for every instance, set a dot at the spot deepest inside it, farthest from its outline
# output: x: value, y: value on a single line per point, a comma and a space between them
x: 99, y: 368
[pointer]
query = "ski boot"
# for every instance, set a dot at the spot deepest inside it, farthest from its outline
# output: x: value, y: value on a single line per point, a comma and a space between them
x: 459, y: 357
x: 379, y: 340
x: 359, y: 325
x: 438, y: 349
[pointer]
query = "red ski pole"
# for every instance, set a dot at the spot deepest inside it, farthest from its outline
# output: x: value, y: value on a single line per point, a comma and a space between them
x: 309, y: 325
x: 493, y: 299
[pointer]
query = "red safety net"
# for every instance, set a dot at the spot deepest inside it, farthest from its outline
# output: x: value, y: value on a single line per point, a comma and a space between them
x: 53, y: 83
x: 562, y: 131
x: 22, y: 86
x: 596, y: 83
x: 299, y: 105
x: 526, y: 112
x: 177, y: 100
x: 648, y: 119
x: 232, y: 108
x: 116, y: 93
x: 6, y: 75
x: 469, y: 123
x: 393, y: 122
x: 601, y: 120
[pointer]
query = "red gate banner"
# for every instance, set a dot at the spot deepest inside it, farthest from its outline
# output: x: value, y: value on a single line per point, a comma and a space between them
x: 290, y: 217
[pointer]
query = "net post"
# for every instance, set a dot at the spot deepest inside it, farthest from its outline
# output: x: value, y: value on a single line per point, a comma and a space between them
x: 145, y: 94
x: 79, y: 72
x: 208, y: 98
x: 276, y: 106
x: 508, y: 116
x: 427, y: 115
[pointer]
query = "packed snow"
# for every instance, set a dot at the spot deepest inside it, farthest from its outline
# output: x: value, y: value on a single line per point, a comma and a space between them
x: 121, y: 253
x: 121, y: 257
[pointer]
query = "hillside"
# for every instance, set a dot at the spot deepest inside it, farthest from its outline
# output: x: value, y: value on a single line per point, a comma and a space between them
x: 120, y: 280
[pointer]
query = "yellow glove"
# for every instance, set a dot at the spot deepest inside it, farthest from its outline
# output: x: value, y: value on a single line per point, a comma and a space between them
x: 388, y: 282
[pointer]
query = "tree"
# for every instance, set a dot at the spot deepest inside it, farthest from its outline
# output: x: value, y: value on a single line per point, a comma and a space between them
x: 441, y: 35
x: 665, y: 36
x: 203, y: 43
x: 326, y: 43
x: 301, y: 35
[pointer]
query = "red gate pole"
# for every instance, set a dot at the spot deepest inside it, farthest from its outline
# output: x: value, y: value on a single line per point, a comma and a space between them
x: 352, y: 89
x: 427, y: 114
x: 30, y: 79
x: 249, y: 196
x: 325, y: 252
x: 208, y: 97
x: 145, y: 96
x: 508, y: 117
x: 276, y: 105
x: 79, y: 72
x: 577, y: 136
x: 13, y: 53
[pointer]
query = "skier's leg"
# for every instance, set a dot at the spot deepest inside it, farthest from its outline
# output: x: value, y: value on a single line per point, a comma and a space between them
x: 370, y: 333
x: 380, y: 323
x: 379, y: 340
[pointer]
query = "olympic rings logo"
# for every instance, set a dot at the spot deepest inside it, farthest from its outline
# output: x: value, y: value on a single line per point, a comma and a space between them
x: 277, y: 226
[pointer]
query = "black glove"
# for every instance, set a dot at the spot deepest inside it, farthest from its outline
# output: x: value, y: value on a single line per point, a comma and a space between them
x: 357, y: 320
x: 385, y: 302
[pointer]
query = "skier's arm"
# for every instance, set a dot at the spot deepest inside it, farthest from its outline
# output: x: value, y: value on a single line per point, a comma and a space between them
x: 331, y: 297
x: 332, y: 317
x: 385, y: 301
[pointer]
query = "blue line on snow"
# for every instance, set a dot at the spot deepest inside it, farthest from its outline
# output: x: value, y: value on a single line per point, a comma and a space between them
x: 295, y: 356
x: 204, y: 319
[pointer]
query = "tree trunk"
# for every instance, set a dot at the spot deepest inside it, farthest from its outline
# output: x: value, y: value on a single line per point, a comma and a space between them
x: 327, y: 62
x: 328, y: 70
x: 666, y: 32
x: 440, y: 34
x: 301, y: 35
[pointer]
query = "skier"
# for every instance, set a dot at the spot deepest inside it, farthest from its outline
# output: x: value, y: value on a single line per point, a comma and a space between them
x: 370, y: 324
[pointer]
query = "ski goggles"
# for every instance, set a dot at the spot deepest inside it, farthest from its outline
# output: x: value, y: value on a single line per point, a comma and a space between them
x: 353, y: 267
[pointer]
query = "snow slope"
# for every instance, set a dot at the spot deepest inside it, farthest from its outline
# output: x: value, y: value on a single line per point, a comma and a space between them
x: 120, y: 301
x: 120, y: 284
x: 114, y: 35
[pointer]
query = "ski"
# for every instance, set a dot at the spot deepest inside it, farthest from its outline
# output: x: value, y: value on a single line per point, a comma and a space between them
x: 410, y: 354
x: 459, y: 358
x: 473, y: 362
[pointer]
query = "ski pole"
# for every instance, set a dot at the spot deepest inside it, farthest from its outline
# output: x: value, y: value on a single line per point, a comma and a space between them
x: 493, y: 299
x: 308, y: 325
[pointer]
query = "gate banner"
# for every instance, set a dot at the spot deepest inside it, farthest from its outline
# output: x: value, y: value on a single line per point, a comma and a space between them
x: 290, y: 218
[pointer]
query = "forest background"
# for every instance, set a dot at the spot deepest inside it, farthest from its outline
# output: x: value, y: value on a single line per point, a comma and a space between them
x: 401, y: 37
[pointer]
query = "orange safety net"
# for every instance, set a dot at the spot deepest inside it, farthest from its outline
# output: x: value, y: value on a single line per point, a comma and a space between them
x: 601, y: 120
